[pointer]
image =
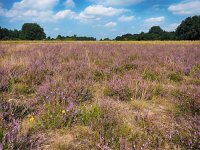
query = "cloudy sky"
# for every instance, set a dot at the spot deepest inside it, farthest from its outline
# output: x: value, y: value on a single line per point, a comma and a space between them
x: 97, y: 18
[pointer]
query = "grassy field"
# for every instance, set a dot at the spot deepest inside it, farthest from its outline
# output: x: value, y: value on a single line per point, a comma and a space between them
x: 103, y: 42
x: 100, y: 95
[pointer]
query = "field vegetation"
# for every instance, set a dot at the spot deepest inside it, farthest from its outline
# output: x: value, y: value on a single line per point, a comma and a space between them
x: 100, y: 95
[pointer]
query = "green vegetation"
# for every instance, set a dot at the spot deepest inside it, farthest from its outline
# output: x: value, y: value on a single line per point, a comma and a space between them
x: 151, y: 75
x: 32, y: 31
x: 189, y: 29
x: 175, y: 76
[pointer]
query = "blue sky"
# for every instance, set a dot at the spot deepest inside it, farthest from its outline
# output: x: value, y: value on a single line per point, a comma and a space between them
x: 97, y: 18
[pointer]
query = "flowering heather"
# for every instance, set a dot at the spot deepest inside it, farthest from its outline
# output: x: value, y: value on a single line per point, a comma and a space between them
x: 100, y: 96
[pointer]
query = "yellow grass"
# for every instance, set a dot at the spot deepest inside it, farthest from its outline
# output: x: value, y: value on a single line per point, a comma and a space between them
x: 103, y: 42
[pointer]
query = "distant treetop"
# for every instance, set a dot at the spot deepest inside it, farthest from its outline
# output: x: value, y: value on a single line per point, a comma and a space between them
x: 189, y: 29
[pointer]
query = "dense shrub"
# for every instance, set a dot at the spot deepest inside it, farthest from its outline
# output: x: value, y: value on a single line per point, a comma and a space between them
x: 98, y: 75
x: 151, y: 75
x: 195, y: 70
x: 124, y: 94
x: 129, y: 67
x: 174, y: 76
x: 188, y: 103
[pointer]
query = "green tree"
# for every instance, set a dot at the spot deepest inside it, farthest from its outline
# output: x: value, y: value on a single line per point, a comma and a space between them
x: 59, y: 37
x: 189, y: 29
x: 32, y: 31
x: 4, y: 33
x: 156, y: 30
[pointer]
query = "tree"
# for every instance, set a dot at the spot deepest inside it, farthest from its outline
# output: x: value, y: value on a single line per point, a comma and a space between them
x: 156, y: 30
x: 4, y: 33
x: 189, y: 29
x: 59, y: 37
x: 32, y: 31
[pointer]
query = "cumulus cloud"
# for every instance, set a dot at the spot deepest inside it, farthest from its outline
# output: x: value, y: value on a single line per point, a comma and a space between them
x: 96, y: 12
x: 70, y: 3
x: 34, y: 4
x: 155, y: 19
x: 34, y: 10
x: 86, y: 18
x: 63, y: 14
x: 111, y: 24
x: 186, y: 7
x: 43, y: 11
x: 117, y: 2
x: 103, y: 11
x: 126, y: 18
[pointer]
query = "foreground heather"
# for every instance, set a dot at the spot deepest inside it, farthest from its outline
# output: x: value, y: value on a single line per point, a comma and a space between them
x: 99, y: 96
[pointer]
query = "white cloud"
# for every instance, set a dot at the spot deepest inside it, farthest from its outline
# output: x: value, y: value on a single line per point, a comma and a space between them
x: 111, y: 24
x: 186, y: 7
x: 155, y: 19
x: 63, y: 14
x: 84, y: 18
x: 34, y: 4
x: 35, y: 10
x: 126, y: 18
x: 70, y: 3
x: 117, y: 2
x: 96, y: 12
x: 43, y: 11
x: 103, y: 11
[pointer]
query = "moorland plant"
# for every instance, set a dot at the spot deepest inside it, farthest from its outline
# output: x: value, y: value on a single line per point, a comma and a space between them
x: 99, y: 96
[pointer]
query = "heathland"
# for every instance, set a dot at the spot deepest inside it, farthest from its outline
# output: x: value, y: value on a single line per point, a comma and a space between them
x: 100, y: 95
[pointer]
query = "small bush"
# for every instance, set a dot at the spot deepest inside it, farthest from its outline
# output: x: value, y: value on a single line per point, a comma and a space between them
x: 15, y: 107
x: 174, y: 76
x: 118, y: 70
x: 124, y: 94
x: 196, y: 82
x: 89, y: 115
x: 22, y: 88
x: 195, y: 70
x: 83, y: 94
x: 130, y: 67
x: 133, y: 57
x: 4, y: 80
x: 157, y: 90
x: 2, y: 132
x: 187, y: 103
x: 98, y: 75
x: 54, y: 117
x: 151, y: 75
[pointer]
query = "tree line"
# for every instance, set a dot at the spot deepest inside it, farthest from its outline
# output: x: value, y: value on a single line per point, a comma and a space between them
x: 155, y: 33
x: 189, y: 29
x: 33, y: 31
x: 73, y: 38
x: 29, y: 31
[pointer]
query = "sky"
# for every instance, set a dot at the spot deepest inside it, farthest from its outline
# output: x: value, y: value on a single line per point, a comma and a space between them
x: 96, y: 18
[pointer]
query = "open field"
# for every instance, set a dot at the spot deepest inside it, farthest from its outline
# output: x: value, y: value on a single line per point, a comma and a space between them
x: 103, y: 42
x: 103, y: 95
